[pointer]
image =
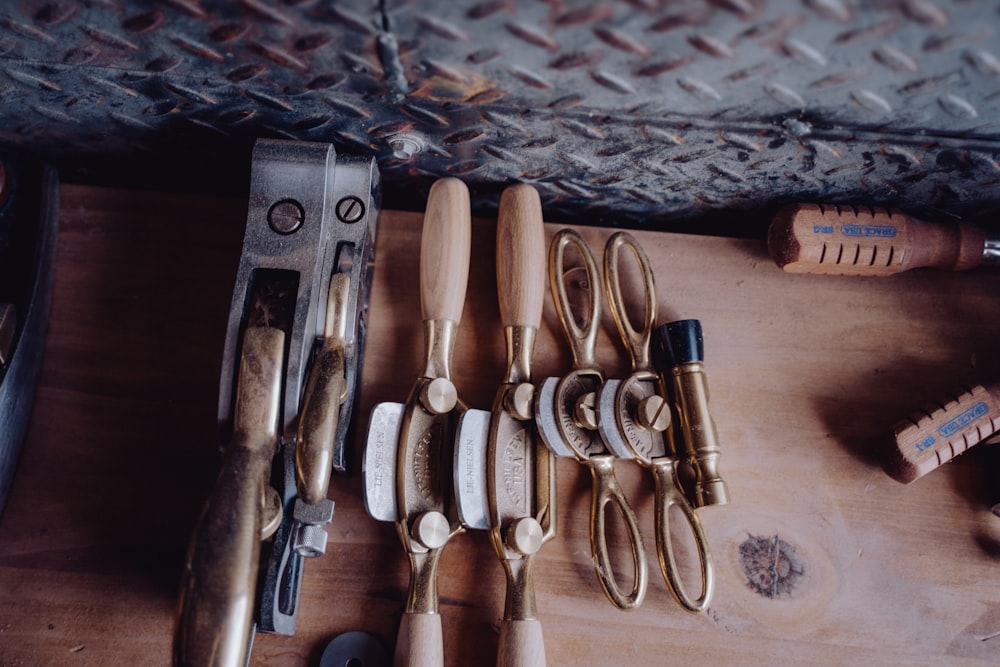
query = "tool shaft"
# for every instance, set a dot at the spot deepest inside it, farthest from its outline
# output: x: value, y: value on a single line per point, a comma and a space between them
x: 813, y: 238
x: 941, y: 432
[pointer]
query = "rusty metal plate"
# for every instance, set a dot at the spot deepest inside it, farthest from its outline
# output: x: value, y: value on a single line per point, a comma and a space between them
x: 639, y: 112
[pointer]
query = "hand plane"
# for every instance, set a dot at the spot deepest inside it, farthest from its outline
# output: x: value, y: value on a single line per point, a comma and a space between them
x: 292, y: 356
x: 407, y: 477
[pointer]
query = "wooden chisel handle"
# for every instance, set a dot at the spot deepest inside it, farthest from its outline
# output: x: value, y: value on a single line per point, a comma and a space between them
x: 445, y: 248
x: 419, y: 642
x: 521, y: 257
x: 521, y: 644
x: 814, y: 238
x: 943, y: 431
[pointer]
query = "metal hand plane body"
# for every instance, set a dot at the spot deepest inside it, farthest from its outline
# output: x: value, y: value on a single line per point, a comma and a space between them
x: 566, y: 412
x: 504, y: 481
x: 407, y: 478
x: 293, y: 352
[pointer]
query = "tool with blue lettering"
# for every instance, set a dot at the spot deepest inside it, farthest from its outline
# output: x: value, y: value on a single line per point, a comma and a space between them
x: 292, y: 356
x: 942, y: 431
x: 826, y: 239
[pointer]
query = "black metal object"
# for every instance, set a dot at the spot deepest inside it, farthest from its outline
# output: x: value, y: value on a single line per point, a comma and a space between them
x: 639, y: 112
x: 29, y: 205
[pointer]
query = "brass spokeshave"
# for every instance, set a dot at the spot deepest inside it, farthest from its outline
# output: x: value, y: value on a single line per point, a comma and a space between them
x: 407, y: 461
x: 504, y: 480
x: 292, y: 356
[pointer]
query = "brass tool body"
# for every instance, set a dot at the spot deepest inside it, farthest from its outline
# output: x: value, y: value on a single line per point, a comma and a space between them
x: 825, y: 239
x: 518, y: 475
x: 303, y: 278
x: 683, y: 373
x: 633, y: 418
x: 407, y: 476
x: 566, y: 416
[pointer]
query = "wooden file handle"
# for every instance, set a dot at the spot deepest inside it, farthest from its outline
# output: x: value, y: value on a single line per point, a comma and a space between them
x: 419, y: 642
x: 943, y: 431
x: 813, y: 238
x: 445, y: 248
x: 521, y: 643
x: 521, y: 257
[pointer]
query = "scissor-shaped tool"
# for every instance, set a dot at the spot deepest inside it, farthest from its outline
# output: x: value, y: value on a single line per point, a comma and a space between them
x: 504, y: 481
x: 408, y: 454
x: 293, y: 351
x: 633, y: 417
x: 566, y: 414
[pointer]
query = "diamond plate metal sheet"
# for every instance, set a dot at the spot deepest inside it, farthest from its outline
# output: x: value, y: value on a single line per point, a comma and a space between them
x: 639, y: 112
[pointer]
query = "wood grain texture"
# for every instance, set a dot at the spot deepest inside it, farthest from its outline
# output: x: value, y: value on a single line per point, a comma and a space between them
x: 521, y: 253
x: 941, y: 431
x: 444, y: 250
x: 419, y: 642
x: 823, y: 239
x: 521, y: 644
x: 808, y: 375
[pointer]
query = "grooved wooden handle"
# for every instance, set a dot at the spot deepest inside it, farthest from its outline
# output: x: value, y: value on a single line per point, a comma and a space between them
x: 419, y: 642
x: 445, y: 247
x: 943, y: 431
x: 520, y: 257
x: 521, y: 644
x: 813, y: 238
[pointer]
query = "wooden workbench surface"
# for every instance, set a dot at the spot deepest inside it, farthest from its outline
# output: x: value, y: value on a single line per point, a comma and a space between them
x: 807, y: 374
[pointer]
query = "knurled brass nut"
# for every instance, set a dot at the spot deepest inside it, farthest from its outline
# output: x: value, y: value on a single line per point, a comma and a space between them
x: 524, y: 536
x: 653, y: 414
x: 431, y: 529
x: 439, y: 396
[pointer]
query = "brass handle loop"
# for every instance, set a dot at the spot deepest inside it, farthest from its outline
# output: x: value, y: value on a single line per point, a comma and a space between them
x: 636, y: 340
x: 668, y: 494
x: 607, y: 490
x: 582, y: 339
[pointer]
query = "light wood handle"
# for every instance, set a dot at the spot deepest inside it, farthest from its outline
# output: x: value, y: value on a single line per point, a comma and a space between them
x: 445, y: 247
x: 520, y: 257
x: 419, y: 642
x: 943, y: 431
x: 521, y: 644
x: 813, y: 238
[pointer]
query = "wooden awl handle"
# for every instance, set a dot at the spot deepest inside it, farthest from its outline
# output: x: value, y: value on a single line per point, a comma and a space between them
x: 814, y: 238
x: 940, y: 433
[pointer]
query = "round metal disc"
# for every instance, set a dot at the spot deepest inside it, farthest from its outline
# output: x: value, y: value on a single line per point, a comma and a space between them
x: 355, y: 649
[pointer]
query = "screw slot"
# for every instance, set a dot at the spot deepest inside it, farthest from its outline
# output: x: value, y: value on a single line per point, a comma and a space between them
x: 286, y: 216
x: 350, y: 209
